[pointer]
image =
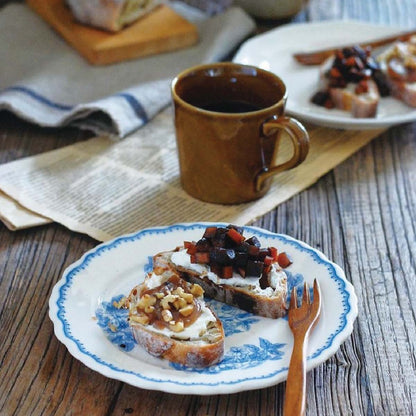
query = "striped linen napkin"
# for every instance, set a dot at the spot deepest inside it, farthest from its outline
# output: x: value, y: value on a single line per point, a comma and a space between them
x: 45, y: 81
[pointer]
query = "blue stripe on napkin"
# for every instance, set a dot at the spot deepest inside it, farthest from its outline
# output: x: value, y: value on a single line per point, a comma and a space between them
x: 39, y: 97
x: 135, y: 104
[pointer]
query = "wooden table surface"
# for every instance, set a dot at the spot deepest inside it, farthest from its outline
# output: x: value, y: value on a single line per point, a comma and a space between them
x: 362, y: 215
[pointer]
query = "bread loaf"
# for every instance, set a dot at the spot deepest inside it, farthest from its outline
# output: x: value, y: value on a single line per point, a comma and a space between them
x: 111, y: 15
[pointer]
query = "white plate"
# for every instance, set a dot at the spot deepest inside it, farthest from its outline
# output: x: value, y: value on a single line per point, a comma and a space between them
x: 274, y: 50
x: 257, y: 350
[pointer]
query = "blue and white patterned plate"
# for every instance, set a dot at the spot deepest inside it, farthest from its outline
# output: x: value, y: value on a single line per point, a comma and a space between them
x: 257, y: 350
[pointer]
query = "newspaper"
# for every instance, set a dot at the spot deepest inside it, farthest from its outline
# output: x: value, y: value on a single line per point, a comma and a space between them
x: 16, y: 217
x: 106, y: 189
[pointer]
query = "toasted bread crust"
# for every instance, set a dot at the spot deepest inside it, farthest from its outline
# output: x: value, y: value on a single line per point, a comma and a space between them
x: 187, y: 353
x: 403, y: 91
x: 360, y: 105
x: 242, y: 298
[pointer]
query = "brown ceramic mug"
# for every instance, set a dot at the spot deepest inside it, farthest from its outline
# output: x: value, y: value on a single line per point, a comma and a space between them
x: 228, y: 119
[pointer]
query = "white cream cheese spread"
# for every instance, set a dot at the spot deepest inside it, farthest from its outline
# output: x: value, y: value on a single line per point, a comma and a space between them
x: 194, y: 331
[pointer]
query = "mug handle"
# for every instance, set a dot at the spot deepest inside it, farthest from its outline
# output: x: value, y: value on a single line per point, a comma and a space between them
x: 300, y: 141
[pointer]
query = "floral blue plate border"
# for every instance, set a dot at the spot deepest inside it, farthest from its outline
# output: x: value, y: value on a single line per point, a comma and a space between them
x: 257, y: 350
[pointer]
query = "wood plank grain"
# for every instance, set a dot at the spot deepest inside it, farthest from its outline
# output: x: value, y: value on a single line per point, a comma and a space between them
x: 349, y: 202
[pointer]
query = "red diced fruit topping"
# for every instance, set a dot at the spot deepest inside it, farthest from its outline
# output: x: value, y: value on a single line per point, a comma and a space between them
x: 284, y: 260
x: 362, y: 87
x: 235, y: 236
x: 203, y: 244
x: 268, y: 260
x: 190, y: 247
x: 240, y: 230
x: 227, y: 251
x: 202, y: 257
x: 352, y: 66
x: 329, y: 104
x: 263, y: 252
x: 216, y: 268
x: 227, y: 272
x: 241, y: 271
x: 210, y: 232
x: 273, y: 253
x: 253, y: 251
x: 335, y: 72
x: 350, y: 61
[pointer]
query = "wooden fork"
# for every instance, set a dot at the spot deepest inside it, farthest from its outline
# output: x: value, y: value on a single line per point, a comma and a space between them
x: 302, y: 320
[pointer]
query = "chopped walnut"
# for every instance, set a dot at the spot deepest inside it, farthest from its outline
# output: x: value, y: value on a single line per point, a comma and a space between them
x: 197, y: 290
x: 146, y: 300
x: 141, y: 319
x: 176, y: 326
x: 186, y: 310
x: 167, y: 315
x: 172, y: 308
x: 167, y: 300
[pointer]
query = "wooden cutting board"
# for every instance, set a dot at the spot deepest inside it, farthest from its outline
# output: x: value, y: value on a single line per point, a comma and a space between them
x: 161, y: 30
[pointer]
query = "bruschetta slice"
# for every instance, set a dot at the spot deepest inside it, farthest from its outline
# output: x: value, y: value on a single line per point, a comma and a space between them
x: 170, y: 319
x: 399, y: 64
x: 233, y: 270
x: 352, y: 81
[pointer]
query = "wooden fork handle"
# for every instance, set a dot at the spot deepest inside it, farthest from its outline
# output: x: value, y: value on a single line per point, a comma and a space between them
x: 295, y: 396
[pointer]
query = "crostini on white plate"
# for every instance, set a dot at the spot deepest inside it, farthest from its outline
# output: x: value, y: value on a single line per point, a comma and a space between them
x: 398, y: 62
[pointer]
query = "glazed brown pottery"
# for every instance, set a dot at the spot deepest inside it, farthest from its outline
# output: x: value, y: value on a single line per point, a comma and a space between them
x: 228, y: 119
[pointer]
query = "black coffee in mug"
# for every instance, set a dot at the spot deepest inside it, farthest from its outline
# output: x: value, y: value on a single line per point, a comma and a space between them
x: 229, y: 94
x: 229, y: 106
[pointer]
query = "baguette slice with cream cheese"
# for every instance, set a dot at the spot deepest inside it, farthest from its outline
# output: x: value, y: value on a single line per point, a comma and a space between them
x: 346, y: 98
x: 170, y: 319
x: 399, y: 64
